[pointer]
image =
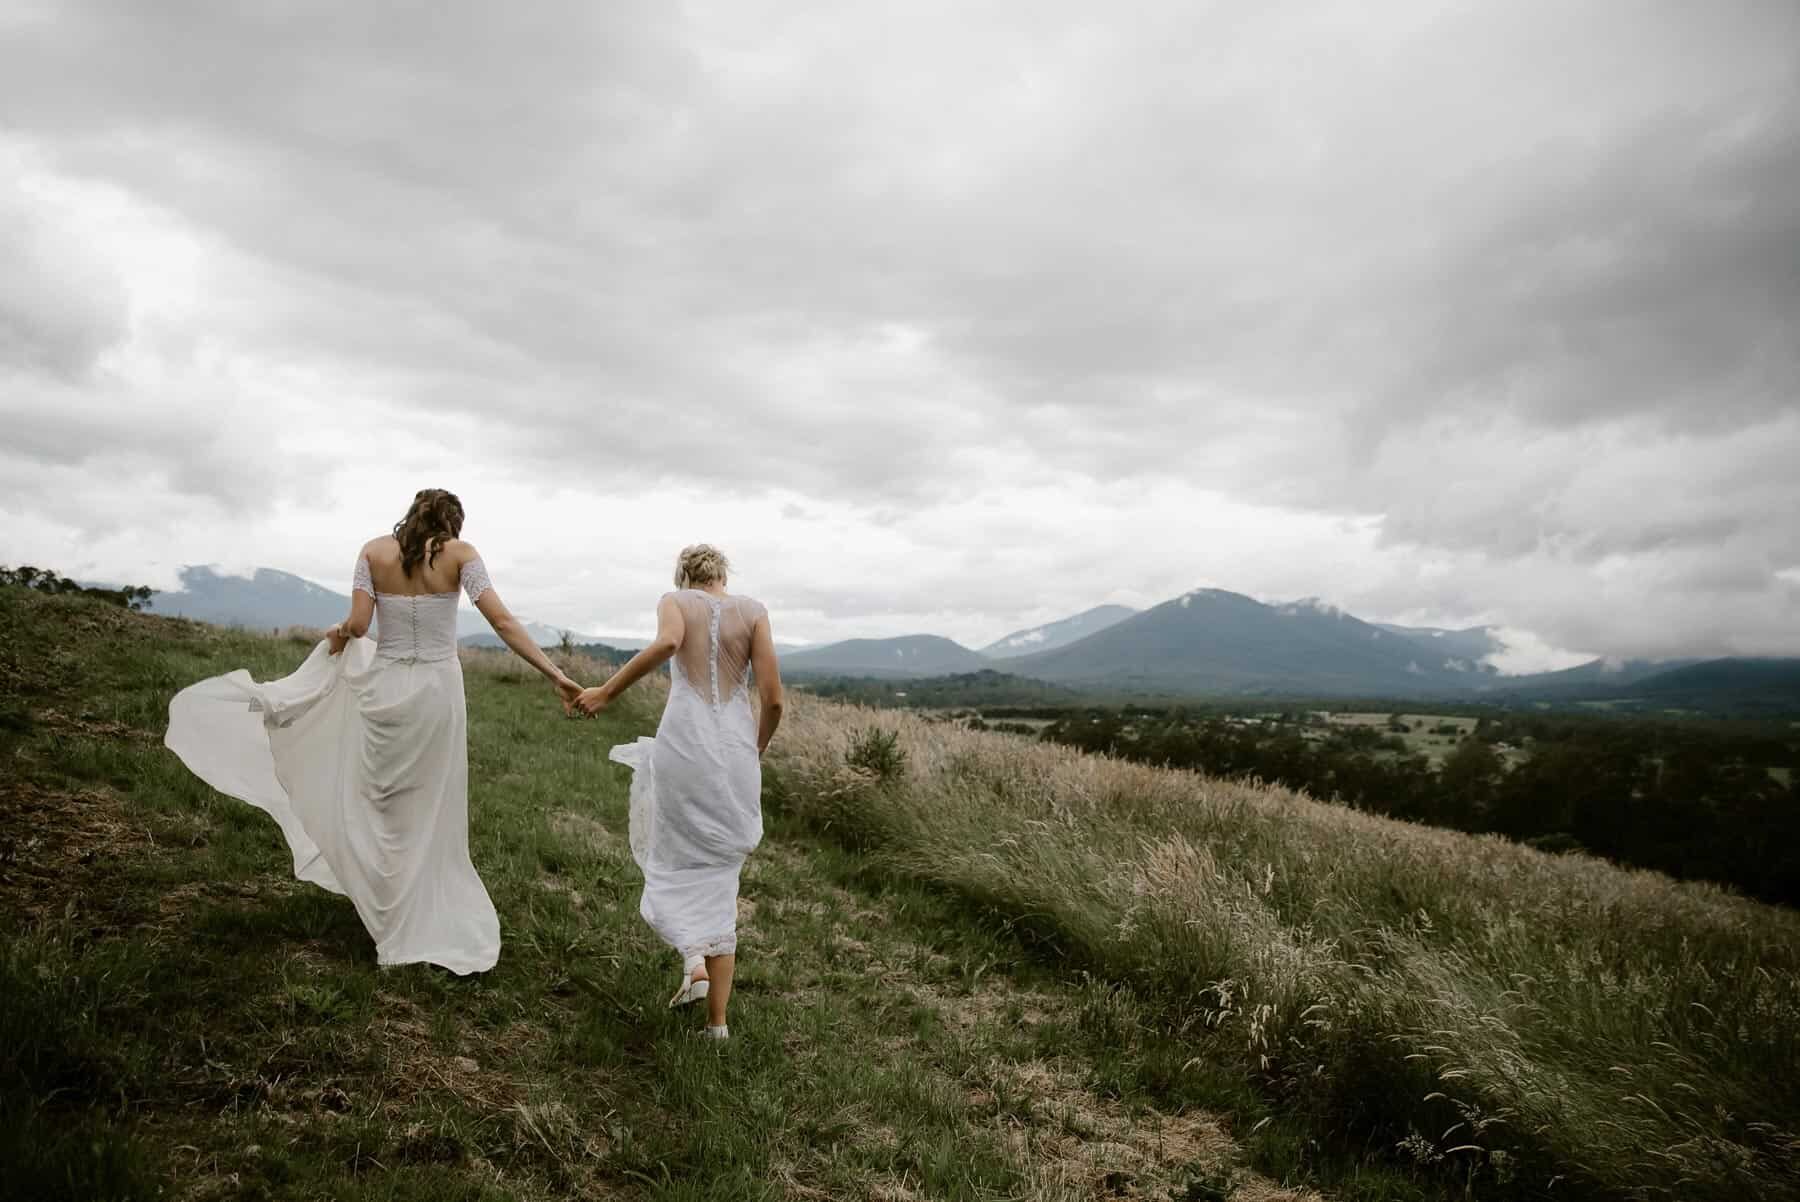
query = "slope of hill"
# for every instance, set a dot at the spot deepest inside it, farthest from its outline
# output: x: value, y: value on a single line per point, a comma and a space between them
x: 1730, y: 685
x: 909, y: 655
x: 1530, y: 1023
x: 1052, y: 635
x: 180, y: 1018
x: 1737, y: 676
x: 1471, y: 644
x: 1213, y: 641
x: 1594, y: 678
x: 265, y: 600
x: 972, y: 966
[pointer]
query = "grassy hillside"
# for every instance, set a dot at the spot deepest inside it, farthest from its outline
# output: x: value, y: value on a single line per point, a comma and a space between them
x: 180, y: 1019
x: 1540, y: 1025
x: 974, y: 968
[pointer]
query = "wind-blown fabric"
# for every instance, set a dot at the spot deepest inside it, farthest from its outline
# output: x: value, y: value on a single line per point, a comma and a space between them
x: 696, y: 788
x: 362, y: 760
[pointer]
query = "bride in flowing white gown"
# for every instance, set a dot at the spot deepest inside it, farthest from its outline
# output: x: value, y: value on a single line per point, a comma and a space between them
x: 361, y: 755
x: 696, y: 788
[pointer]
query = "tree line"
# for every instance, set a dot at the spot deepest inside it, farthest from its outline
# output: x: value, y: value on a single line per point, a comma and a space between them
x: 133, y: 597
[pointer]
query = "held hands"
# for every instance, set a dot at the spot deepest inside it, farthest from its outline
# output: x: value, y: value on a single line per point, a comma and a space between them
x: 578, y: 702
x: 566, y: 692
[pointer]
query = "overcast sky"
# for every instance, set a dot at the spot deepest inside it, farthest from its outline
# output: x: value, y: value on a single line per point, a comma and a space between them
x: 938, y: 317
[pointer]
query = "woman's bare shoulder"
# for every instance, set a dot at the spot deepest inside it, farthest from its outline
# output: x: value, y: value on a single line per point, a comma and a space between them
x: 383, y: 546
x: 459, y: 551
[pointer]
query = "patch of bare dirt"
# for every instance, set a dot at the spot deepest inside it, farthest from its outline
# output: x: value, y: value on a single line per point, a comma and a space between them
x: 990, y: 1003
x: 474, y: 1071
x: 174, y: 904
x: 1077, y: 1141
x: 91, y: 727
x: 60, y: 852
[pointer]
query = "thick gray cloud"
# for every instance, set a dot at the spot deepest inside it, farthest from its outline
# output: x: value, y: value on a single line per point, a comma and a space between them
x: 58, y: 311
x: 1511, y: 290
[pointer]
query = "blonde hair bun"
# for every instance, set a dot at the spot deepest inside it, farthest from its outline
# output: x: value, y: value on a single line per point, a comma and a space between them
x: 699, y: 565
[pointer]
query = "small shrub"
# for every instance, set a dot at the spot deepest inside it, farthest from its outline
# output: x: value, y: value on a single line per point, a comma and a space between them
x: 878, y: 753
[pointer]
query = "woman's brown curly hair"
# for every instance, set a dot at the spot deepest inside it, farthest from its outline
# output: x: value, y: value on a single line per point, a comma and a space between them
x: 435, y: 518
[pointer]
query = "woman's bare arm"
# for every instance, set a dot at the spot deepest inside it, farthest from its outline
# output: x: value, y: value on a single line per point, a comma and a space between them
x: 512, y: 632
x: 766, y: 667
x: 670, y: 627
x: 362, y: 612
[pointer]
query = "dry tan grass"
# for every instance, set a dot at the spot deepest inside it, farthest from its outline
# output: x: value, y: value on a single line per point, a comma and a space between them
x: 587, y: 831
x: 1526, y: 1013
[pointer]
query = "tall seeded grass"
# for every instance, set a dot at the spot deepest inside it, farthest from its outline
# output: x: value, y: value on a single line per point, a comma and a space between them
x: 1523, y: 1021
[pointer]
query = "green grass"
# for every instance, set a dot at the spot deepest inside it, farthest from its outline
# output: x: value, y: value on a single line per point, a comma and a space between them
x: 973, y: 967
x: 181, y: 1019
x: 1420, y: 737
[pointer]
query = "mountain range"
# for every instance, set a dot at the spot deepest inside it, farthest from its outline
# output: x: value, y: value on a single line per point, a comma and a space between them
x: 275, y: 599
x: 1204, y: 642
x: 1057, y: 634
x: 1210, y: 642
x: 1224, y: 642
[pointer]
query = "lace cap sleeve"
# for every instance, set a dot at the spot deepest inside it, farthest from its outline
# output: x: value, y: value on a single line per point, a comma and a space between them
x: 475, y: 579
x: 361, y: 580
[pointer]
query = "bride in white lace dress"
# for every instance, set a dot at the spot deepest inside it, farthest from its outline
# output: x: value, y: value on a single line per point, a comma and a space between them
x: 361, y: 755
x: 696, y: 789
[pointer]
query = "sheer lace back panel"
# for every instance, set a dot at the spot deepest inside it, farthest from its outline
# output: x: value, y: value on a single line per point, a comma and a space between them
x: 714, y: 656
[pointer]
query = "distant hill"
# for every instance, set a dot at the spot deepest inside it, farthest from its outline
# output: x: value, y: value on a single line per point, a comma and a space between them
x: 1472, y: 644
x: 1213, y: 641
x: 1597, y: 677
x: 266, y: 600
x: 270, y: 599
x: 1730, y: 685
x: 1057, y: 634
x: 909, y: 655
x: 984, y: 689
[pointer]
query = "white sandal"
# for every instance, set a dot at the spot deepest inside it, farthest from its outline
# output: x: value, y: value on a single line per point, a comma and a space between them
x: 692, y: 988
